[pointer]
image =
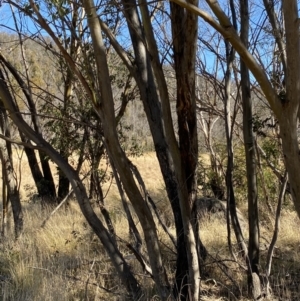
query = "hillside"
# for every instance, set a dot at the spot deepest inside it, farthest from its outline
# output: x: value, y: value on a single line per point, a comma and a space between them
x: 65, y: 261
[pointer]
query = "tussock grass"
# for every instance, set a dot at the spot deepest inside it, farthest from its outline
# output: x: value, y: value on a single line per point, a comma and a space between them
x: 65, y: 260
x: 50, y: 263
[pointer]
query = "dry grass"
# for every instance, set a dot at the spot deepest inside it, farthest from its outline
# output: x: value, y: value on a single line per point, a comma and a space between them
x: 65, y: 261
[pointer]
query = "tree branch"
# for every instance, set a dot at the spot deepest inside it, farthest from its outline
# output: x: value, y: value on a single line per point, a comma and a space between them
x: 226, y: 29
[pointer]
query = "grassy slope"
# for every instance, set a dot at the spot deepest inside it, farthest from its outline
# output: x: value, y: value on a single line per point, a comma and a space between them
x: 64, y: 260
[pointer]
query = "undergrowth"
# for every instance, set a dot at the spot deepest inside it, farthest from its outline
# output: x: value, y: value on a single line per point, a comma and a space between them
x: 64, y: 260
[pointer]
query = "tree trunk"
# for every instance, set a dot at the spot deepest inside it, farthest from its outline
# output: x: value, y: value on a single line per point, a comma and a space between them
x: 161, y: 126
x: 105, y: 109
x: 166, y: 149
x: 290, y: 104
x: 253, y: 248
x: 33, y: 165
x: 5, y: 198
x: 164, y: 138
x: 8, y: 170
x: 63, y: 181
x: 184, y: 32
x: 231, y: 203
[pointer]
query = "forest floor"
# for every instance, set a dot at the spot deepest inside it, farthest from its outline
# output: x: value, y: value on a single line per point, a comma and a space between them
x: 64, y: 260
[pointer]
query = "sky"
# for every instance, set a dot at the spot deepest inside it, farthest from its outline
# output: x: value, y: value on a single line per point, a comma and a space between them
x: 7, y: 24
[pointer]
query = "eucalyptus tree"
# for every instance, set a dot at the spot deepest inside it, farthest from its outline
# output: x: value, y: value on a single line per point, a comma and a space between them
x: 281, y: 92
x: 285, y: 105
x: 228, y: 90
x: 177, y: 157
x: 253, y: 218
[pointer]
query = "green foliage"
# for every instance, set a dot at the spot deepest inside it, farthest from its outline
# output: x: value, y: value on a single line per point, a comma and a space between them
x: 267, y: 182
x: 64, y: 126
x: 272, y: 150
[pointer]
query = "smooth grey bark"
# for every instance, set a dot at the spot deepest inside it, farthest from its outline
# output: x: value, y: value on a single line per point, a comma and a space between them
x: 133, y: 230
x: 116, y: 257
x: 105, y: 109
x: 159, y: 117
x: 249, y: 145
x: 166, y: 146
x: 288, y: 118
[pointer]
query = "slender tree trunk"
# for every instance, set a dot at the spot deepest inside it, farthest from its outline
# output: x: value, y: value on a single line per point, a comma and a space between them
x: 63, y: 181
x: 8, y: 170
x: 33, y: 165
x: 48, y: 186
x: 5, y: 198
x: 231, y: 203
x: 167, y: 152
x: 164, y: 150
x: 165, y: 141
x: 290, y: 103
x: 107, y: 115
x: 253, y: 249
x: 275, y: 232
x: 166, y: 145
x: 184, y: 32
